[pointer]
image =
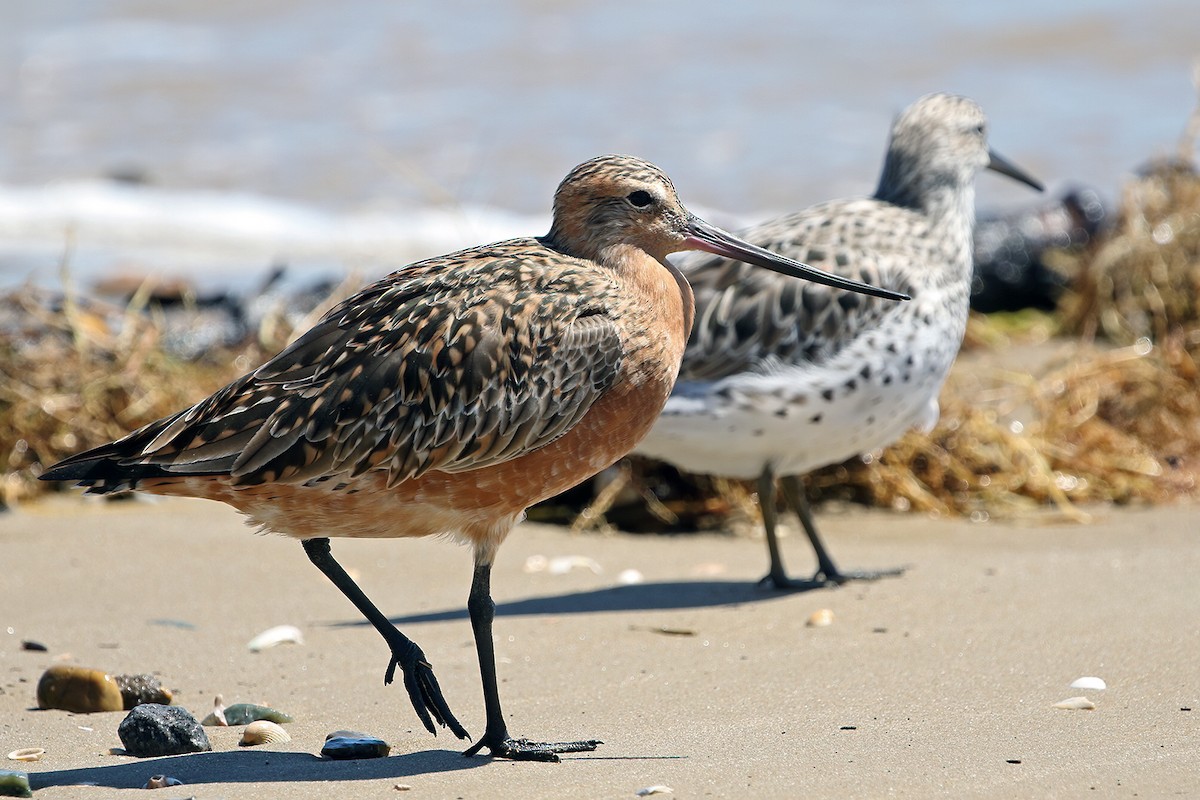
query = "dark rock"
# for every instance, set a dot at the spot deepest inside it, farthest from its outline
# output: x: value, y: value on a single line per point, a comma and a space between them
x: 152, y: 729
x: 138, y: 689
x: 344, y: 745
x: 36, y: 647
x: 1010, y: 273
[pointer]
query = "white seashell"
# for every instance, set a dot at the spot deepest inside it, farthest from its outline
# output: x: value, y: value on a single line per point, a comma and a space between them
x: 628, y: 577
x: 1076, y: 704
x: 27, y: 754
x: 217, y: 716
x: 656, y: 789
x: 1089, y: 682
x: 263, y: 732
x: 821, y: 618
x: 280, y: 634
x: 561, y: 565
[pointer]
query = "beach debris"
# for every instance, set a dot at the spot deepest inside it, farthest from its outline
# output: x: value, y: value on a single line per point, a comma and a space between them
x: 263, y: 732
x: 561, y: 565
x: 153, y: 729
x: 280, y: 634
x: 1089, y: 682
x: 78, y: 689
x: 821, y: 618
x: 243, y: 714
x: 664, y: 630
x: 1010, y: 270
x: 345, y: 745
x: 1076, y: 704
x: 401, y: 787
x: 36, y: 647
x: 216, y: 717
x: 628, y: 577
x: 14, y: 784
x: 162, y: 782
x: 27, y: 754
x: 144, y: 688
x: 656, y: 789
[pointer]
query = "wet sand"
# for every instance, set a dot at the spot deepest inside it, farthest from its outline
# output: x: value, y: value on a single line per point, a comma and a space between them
x: 938, y: 683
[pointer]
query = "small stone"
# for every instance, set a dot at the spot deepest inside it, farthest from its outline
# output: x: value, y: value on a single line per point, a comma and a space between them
x: 138, y: 689
x: 245, y: 713
x: 1076, y: 704
x: 14, y: 784
x: 344, y: 745
x: 78, y: 689
x: 152, y: 729
x: 36, y: 647
x: 821, y: 618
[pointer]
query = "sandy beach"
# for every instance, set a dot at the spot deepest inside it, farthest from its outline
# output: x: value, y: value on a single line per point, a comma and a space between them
x: 938, y: 683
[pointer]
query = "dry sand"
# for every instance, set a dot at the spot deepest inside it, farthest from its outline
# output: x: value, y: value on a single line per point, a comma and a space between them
x: 939, y: 683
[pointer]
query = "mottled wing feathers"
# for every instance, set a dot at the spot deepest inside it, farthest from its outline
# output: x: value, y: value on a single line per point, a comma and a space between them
x: 748, y: 319
x: 431, y: 368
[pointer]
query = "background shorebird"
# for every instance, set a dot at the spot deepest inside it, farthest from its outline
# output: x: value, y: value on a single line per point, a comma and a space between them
x: 450, y: 396
x: 781, y: 377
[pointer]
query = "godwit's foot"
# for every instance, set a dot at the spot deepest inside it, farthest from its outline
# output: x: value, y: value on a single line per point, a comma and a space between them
x: 423, y: 690
x: 823, y: 579
x: 525, y: 750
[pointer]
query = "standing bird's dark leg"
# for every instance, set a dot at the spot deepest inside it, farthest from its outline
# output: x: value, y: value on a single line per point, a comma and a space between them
x: 827, y: 571
x: 496, y: 738
x: 422, y: 686
x: 777, y: 577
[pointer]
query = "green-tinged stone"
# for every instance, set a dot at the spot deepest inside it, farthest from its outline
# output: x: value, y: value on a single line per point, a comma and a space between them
x: 245, y: 713
x: 14, y: 784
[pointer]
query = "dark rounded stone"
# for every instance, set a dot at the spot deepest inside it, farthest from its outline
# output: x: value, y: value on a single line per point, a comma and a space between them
x: 343, y: 745
x: 152, y: 729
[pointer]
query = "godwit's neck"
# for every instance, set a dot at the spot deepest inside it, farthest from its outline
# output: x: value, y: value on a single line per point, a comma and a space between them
x: 655, y: 279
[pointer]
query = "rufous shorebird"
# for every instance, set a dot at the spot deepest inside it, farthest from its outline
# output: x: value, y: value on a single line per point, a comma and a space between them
x: 451, y: 395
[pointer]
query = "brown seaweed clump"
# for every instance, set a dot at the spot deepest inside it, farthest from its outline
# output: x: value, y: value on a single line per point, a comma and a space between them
x: 1143, y: 278
x: 75, y: 374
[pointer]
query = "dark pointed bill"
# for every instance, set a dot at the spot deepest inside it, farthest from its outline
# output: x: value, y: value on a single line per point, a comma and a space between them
x: 711, y: 239
x: 1006, y: 167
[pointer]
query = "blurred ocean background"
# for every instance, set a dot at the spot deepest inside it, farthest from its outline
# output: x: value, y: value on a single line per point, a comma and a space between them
x: 213, y: 138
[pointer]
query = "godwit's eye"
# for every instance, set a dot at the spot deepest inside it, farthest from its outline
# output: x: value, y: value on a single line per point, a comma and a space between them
x: 640, y: 198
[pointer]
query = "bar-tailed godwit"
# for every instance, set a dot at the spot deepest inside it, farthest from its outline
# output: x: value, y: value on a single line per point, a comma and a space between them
x: 450, y: 396
x: 780, y: 377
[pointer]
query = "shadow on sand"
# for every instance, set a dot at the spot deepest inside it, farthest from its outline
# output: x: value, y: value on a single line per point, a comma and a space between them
x: 256, y: 767
x: 671, y: 596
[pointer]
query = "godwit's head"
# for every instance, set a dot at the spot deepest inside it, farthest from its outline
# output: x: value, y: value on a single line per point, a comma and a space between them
x: 938, y: 145
x: 613, y: 207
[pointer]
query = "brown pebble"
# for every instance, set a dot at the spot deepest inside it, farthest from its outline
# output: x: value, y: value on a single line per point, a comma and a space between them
x: 78, y: 689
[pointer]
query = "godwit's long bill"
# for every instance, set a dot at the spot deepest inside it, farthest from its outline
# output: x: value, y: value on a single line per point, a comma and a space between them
x: 450, y: 396
x: 781, y: 377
